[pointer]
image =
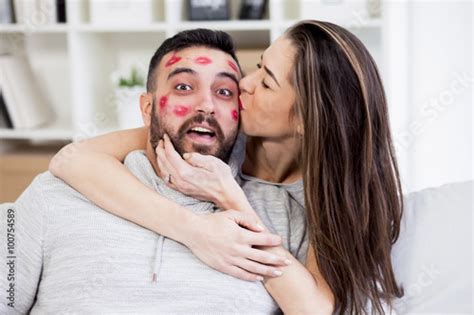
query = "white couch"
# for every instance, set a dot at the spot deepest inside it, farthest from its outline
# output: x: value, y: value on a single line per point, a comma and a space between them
x: 433, y: 256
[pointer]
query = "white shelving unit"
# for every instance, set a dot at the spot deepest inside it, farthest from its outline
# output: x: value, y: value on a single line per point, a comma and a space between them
x: 73, y: 62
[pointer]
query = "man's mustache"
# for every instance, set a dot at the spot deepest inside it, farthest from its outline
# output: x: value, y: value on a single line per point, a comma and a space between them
x: 199, y: 119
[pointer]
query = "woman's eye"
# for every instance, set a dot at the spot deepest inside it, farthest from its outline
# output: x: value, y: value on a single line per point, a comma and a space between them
x: 183, y: 87
x: 224, y: 92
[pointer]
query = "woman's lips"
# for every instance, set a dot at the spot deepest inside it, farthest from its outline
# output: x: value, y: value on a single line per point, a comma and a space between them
x: 241, y: 106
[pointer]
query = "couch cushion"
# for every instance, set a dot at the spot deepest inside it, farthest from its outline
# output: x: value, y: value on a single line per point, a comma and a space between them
x: 433, y: 256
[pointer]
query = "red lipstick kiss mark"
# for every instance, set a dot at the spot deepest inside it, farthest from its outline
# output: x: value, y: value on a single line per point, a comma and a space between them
x: 203, y: 60
x: 174, y: 59
x: 181, y: 110
x: 235, y: 115
x: 233, y: 66
x: 163, y: 101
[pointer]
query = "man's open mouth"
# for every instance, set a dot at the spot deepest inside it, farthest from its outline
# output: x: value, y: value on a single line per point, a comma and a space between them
x: 201, y: 134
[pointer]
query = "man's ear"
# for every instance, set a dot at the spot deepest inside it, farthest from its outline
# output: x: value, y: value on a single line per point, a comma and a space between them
x: 146, y: 105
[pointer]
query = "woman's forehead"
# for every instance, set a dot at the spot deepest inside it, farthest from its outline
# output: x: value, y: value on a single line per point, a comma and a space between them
x: 279, y: 57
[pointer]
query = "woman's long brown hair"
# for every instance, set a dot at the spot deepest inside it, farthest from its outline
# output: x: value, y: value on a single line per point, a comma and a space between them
x: 352, y: 187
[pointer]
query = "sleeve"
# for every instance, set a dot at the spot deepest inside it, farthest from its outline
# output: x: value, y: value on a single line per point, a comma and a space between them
x: 21, y: 237
x: 299, y: 242
x: 299, y: 232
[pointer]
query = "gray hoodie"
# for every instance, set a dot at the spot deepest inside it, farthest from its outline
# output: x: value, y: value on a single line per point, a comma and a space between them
x: 72, y: 257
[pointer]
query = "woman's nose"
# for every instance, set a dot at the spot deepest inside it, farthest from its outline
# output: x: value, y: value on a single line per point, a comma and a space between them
x: 246, y: 84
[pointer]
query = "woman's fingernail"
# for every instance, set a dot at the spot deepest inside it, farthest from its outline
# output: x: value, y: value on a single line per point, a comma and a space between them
x: 288, y: 262
x: 259, y: 227
x: 186, y: 156
x: 277, y: 273
x: 260, y: 278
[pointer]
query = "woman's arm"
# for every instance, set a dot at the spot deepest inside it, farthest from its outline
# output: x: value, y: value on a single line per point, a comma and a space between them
x: 93, y: 167
x: 300, y: 289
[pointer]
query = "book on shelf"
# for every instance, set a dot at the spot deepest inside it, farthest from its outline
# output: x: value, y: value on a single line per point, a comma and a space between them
x: 6, y: 11
x: 61, y: 11
x: 33, y: 13
x: 199, y: 10
x: 24, y: 102
x: 5, y: 121
x: 252, y: 9
x: 113, y: 12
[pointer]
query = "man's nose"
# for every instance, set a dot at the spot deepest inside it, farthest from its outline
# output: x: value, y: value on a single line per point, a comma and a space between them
x: 205, y: 105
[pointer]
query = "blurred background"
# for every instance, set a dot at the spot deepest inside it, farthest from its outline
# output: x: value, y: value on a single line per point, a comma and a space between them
x: 71, y: 69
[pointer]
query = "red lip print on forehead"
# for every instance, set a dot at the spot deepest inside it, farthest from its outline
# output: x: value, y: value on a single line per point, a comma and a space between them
x: 233, y: 66
x: 203, y: 60
x: 174, y: 59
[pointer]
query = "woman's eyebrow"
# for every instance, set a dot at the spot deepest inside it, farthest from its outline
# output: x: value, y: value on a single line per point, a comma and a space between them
x: 270, y: 73
x: 181, y: 70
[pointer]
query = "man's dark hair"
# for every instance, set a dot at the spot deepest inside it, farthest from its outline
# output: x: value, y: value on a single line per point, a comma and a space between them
x: 191, y: 38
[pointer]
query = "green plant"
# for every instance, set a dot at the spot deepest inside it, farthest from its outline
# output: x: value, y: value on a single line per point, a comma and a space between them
x: 135, y: 79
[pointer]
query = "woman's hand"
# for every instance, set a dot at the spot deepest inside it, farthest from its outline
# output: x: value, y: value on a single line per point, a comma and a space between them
x: 224, y: 241
x: 203, y: 177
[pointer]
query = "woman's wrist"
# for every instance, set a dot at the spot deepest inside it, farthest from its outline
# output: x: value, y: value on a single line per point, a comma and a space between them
x: 175, y: 221
x: 186, y: 227
x: 233, y: 197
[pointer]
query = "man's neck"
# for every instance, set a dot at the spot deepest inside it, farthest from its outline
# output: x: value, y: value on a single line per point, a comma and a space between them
x: 151, y: 155
x: 273, y: 160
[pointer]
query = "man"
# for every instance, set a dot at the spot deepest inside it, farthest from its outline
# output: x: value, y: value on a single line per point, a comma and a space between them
x: 66, y: 255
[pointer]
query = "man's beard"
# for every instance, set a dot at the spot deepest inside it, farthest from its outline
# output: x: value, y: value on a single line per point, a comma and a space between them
x: 224, y: 148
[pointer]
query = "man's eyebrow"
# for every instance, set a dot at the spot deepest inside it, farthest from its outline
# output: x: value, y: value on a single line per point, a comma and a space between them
x: 229, y: 75
x: 180, y: 70
x: 270, y: 73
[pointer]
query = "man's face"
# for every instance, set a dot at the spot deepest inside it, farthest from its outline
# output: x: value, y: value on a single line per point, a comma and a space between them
x: 196, y: 101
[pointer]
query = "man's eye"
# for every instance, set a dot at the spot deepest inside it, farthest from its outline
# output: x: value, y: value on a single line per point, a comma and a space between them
x: 265, y: 86
x: 183, y: 87
x: 224, y: 92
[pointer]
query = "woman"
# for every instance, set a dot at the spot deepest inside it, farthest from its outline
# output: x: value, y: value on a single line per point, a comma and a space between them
x: 314, y: 110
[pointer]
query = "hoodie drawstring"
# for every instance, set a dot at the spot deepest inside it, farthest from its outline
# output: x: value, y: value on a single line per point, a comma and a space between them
x: 157, y: 258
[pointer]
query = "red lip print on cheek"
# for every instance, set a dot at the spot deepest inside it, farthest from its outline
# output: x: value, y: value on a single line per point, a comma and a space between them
x: 235, y: 115
x: 203, y: 60
x: 163, y: 102
x: 233, y: 66
x: 181, y: 110
x: 174, y: 59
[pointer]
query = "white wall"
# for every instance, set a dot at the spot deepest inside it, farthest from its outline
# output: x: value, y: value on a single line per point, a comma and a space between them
x: 432, y: 120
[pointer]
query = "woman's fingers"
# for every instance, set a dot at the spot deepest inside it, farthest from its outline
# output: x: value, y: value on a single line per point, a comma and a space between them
x: 247, y: 222
x: 263, y: 257
x: 206, y: 162
x: 259, y: 269
x: 261, y: 239
x: 162, y: 161
x: 173, y: 157
x: 242, y: 274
